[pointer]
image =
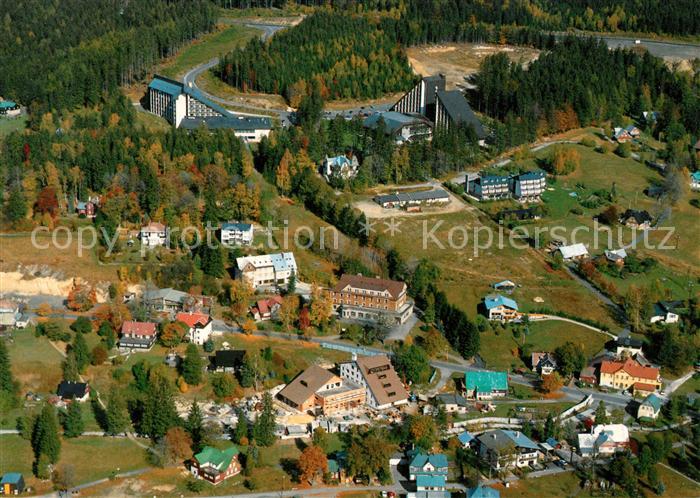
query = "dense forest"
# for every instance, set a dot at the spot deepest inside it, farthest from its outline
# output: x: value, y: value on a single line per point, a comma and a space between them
x: 580, y: 82
x: 441, y: 20
x: 66, y: 53
x: 350, y: 56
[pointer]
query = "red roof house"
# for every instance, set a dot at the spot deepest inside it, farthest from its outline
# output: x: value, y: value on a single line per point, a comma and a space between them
x: 138, y: 335
x: 265, y: 308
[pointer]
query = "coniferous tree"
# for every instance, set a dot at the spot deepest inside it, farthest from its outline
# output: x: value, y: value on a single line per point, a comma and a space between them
x: 45, y: 439
x: 192, y: 366
x: 117, y: 416
x: 159, y: 412
x: 9, y: 387
x: 80, y: 349
x: 71, y: 372
x: 195, y: 427
x: 242, y: 429
x: 265, y: 425
x: 73, y: 425
x: 16, y: 207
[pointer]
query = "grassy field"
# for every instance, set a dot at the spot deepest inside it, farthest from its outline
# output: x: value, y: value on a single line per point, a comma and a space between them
x: 211, y: 45
x: 500, y: 351
x: 469, y: 270
x: 8, y: 125
x: 91, y: 458
x: 151, y: 122
x: 35, y: 362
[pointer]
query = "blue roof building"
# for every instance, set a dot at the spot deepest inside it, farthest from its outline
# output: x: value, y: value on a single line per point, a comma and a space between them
x: 501, y: 308
x: 492, y: 302
x: 465, y: 438
x: 429, y: 472
x: 483, y: 492
x: 12, y: 483
x: 650, y: 407
x: 482, y: 384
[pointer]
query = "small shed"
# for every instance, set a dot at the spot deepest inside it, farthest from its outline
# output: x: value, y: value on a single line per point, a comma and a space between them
x: 12, y: 483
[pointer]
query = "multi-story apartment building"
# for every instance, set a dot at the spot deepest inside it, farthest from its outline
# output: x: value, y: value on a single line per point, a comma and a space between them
x: 452, y: 109
x: 376, y: 374
x: 267, y: 270
x: 529, y: 186
x: 236, y: 234
x: 489, y: 187
x: 317, y: 389
x: 361, y: 298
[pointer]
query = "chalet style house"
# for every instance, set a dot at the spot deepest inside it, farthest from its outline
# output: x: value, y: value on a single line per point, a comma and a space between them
x: 214, y: 465
x: 154, y: 234
x: 319, y: 390
x: 356, y: 297
x: 137, y: 335
x: 199, y: 326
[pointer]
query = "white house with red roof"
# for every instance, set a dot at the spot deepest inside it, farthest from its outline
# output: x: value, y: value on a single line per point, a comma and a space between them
x: 265, y: 309
x: 200, y: 326
x: 138, y: 335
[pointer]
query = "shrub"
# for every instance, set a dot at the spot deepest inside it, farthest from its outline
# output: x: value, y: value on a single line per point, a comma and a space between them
x: 624, y: 150
x: 562, y: 161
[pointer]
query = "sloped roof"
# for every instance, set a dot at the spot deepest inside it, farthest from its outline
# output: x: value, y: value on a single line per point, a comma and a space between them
x: 168, y: 294
x: 11, y: 478
x: 393, y: 287
x: 420, y: 460
x: 573, y: 251
x: 632, y: 367
x: 219, y: 459
x: 239, y: 227
x: 69, y: 390
x: 486, y: 381
x: 640, y: 216
x: 419, y: 196
x: 616, y: 254
x: 388, y: 388
x: 499, y: 439
x: 138, y: 328
x: 430, y: 481
x: 504, y: 283
x: 537, y: 174
x: 483, y: 492
x: 495, y: 301
x: 654, y: 401
x: 465, y: 437
x: 233, y: 122
x: 459, y: 110
x: 393, y: 120
x: 153, y: 226
x: 544, y: 359
x: 629, y: 342
x: 229, y: 358
x: 451, y: 399
x: 166, y: 85
x: 306, y: 384
x: 696, y: 174
x: 193, y: 319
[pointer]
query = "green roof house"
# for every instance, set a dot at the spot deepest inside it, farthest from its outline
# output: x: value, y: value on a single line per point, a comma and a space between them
x: 215, y: 465
x: 484, y: 384
x: 650, y: 407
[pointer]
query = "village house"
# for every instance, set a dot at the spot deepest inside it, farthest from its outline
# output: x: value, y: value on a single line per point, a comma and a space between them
x: 588, y: 375
x: 638, y: 220
x: 543, y: 363
x: 666, y: 312
x: 317, y: 389
x: 650, y: 407
x: 604, y: 440
x: 9, y: 314
x: 486, y: 187
x: 466, y: 439
x: 227, y: 360
x: 483, y: 384
x: 506, y: 449
x: 376, y: 374
x: 9, y: 109
x: 429, y: 475
x: 86, y: 208
x: 412, y: 201
x: 166, y: 300
x: 402, y: 128
x: 266, y: 309
x: 234, y: 233
x: 695, y: 179
x: 138, y: 335
x: 617, y: 256
x: 650, y: 117
x: 199, y: 326
x: 482, y: 491
x: 628, y: 346
x: 507, y: 286
x: 628, y: 374
x: 356, y: 297
x: 154, y: 234
x: 73, y: 391
x: 452, y: 403
x: 12, y: 483
x: 528, y: 187
x: 267, y: 270
x: 522, y: 214
x: 626, y: 134
x: 215, y: 465
x: 501, y: 308
x: 574, y: 252
x: 344, y: 166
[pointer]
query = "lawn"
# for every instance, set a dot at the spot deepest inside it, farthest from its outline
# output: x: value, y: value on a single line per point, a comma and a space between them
x: 91, y: 458
x: 8, y: 125
x: 211, y: 45
x: 500, y: 351
x: 36, y: 364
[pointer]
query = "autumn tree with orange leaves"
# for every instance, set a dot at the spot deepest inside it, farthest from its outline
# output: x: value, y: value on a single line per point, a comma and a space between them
x: 552, y: 382
x: 312, y: 464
